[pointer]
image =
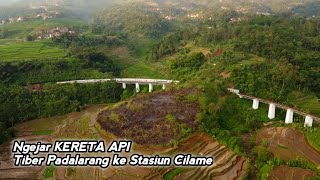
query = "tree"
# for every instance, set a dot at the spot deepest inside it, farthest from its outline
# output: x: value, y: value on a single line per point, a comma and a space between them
x: 29, y: 38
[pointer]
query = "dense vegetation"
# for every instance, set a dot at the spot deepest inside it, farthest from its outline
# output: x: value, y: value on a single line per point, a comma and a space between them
x: 290, y: 50
x: 270, y: 57
x: 19, y: 104
x: 141, y: 21
x: 33, y: 72
x: 274, y: 56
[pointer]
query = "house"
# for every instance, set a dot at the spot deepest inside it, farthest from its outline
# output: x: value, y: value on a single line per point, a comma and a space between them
x: 54, y: 32
x: 11, y: 20
x: 19, y: 19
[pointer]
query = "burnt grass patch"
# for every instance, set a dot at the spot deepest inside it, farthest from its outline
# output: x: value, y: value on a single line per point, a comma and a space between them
x: 155, y: 118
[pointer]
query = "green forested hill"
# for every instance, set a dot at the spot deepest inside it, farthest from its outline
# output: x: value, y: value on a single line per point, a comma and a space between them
x: 263, y: 48
x: 137, y: 19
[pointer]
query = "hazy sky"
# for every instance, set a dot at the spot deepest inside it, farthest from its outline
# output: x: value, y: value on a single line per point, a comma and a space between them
x: 6, y: 2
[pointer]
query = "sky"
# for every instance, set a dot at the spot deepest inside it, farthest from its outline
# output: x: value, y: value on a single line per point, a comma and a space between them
x: 6, y: 2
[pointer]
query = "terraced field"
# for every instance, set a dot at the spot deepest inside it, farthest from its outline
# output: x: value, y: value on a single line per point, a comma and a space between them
x: 7, y: 168
x: 283, y: 143
x: 227, y: 164
x: 31, y: 51
x: 47, y: 130
x: 288, y: 173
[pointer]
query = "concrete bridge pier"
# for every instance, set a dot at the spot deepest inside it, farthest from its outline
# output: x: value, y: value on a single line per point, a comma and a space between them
x: 124, y: 85
x: 308, y: 122
x: 255, y: 104
x: 150, y: 87
x: 289, y: 116
x: 137, y: 87
x: 164, y: 87
x: 272, y: 111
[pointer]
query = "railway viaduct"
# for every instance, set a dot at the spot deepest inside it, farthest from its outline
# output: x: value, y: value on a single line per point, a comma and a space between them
x: 151, y: 82
x: 125, y: 81
x: 272, y: 109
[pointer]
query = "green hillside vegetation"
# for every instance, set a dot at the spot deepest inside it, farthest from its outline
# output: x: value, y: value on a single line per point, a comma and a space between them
x: 22, y: 51
x: 22, y: 29
x: 142, y: 21
x: 274, y: 57
x: 19, y: 104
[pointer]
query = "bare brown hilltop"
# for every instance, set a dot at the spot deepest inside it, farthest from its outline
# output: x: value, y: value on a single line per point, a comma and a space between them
x: 155, y: 118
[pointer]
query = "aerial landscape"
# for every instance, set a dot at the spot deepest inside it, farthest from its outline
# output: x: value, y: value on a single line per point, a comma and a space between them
x: 237, y: 81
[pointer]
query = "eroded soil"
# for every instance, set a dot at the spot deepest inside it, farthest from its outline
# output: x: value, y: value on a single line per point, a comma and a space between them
x: 155, y: 118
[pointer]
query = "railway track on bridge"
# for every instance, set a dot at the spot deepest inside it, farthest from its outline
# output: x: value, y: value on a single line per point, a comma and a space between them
x: 281, y: 106
x: 125, y: 81
x: 256, y: 100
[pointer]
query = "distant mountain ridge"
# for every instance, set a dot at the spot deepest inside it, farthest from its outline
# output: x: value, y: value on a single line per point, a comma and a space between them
x: 243, y: 6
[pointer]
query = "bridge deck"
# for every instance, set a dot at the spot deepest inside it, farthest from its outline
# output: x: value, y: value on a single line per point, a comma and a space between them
x: 281, y: 106
x: 122, y: 80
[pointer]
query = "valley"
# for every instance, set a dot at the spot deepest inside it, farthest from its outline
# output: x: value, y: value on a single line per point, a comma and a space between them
x: 266, y: 49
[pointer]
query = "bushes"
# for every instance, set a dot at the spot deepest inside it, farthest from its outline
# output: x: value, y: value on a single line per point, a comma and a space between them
x: 5, y: 133
x: 114, y: 117
x: 33, y: 72
x: 171, y: 119
x: 313, y: 137
x: 18, y: 104
x: 265, y: 162
x: 192, y: 61
x: 264, y: 171
x: 302, y: 164
x: 126, y: 95
x: 225, y: 137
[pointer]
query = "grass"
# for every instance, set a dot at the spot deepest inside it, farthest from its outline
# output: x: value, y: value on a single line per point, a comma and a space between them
x: 9, y: 41
x: 313, y: 137
x: 114, y: 117
x: 22, y: 29
x: 45, y: 132
x: 135, y: 107
x: 30, y: 50
x: 265, y: 171
x: 282, y: 146
x: 142, y: 70
x: 49, y: 172
x: 41, y: 125
x: 76, y: 127
x: 173, y: 173
x: 306, y: 102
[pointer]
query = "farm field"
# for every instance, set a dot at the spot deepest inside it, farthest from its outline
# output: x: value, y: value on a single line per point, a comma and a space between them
x: 287, y: 173
x: 80, y: 125
x: 22, y: 29
x: 282, y: 142
x: 30, y: 51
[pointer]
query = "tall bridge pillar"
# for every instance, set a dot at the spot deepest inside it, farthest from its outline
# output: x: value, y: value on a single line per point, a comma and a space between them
x: 255, y: 104
x: 137, y: 87
x: 272, y: 111
x: 164, y: 86
x: 124, y: 85
x: 289, y: 116
x: 308, y: 122
x: 150, y: 87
